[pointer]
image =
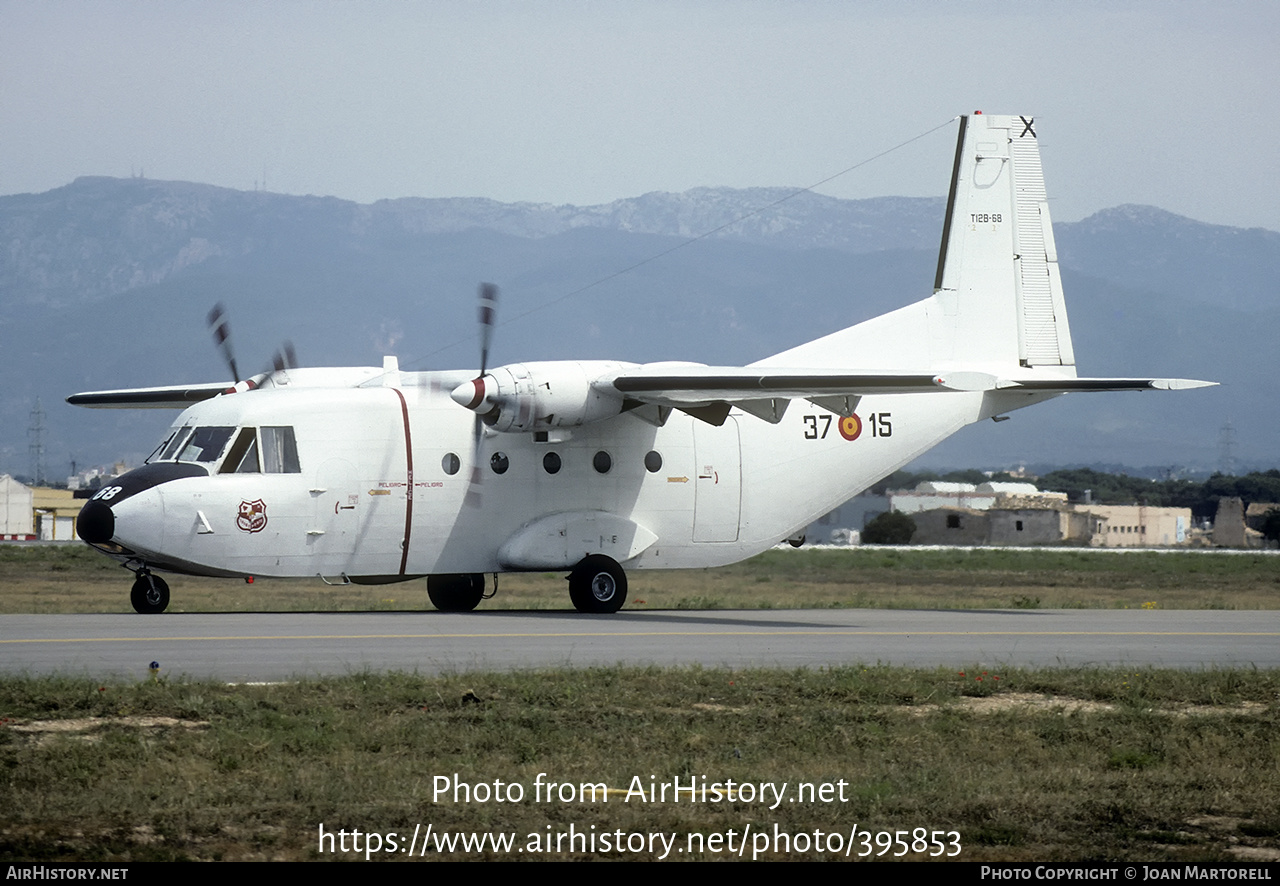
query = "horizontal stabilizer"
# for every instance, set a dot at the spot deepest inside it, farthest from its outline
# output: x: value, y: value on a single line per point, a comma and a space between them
x: 1070, y: 385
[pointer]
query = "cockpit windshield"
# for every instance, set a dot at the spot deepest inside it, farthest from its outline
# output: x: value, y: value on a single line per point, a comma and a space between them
x: 204, y: 445
x: 267, y: 450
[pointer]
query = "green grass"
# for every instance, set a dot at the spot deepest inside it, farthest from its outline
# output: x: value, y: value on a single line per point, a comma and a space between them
x: 1026, y: 765
x: 77, y: 579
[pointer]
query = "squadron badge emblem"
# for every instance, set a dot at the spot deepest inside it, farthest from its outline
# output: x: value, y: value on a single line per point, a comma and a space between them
x: 253, y: 516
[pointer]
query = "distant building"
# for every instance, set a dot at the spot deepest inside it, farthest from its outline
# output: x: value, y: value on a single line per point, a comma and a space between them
x: 1013, y: 514
x: 844, y: 525
x: 934, y: 494
x: 93, y: 478
x: 15, y: 509
x: 54, y: 513
x: 1255, y: 516
x: 1236, y: 526
x: 36, y: 512
x: 1139, y: 526
x: 938, y: 494
x: 1228, y: 523
x: 951, y: 526
x: 1054, y: 522
x: 1039, y: 526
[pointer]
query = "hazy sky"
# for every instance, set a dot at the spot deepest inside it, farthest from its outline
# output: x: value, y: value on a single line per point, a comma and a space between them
x: 1168, y: 103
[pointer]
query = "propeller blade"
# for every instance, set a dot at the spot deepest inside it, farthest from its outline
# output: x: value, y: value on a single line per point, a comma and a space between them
x: 472, y: 498
x: 488, y: 319
x: 488, y: 314
x: 285, y: 358
x: 222, y: 337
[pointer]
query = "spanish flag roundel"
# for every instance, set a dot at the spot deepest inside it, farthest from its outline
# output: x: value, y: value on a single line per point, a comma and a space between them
x: 850, y: 427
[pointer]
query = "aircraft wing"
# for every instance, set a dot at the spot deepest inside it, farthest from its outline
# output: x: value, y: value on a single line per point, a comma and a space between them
x: 707, y: 392
x: 173, y: 397
x: 706, y: 384
x: 677, y: 386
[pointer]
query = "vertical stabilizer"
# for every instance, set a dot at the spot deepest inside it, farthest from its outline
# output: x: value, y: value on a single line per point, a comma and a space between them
x: 997, y: 278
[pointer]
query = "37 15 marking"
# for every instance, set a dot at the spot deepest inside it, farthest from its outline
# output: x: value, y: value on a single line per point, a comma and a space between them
x: 816, y: 427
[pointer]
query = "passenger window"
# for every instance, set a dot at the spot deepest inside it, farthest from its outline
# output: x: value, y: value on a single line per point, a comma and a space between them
x: 280, y: 451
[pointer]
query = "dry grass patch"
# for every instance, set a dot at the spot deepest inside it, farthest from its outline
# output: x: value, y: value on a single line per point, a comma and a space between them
x: 1043, y: 765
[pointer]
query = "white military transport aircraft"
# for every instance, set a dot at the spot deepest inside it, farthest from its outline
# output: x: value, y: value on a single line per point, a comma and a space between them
x: 374, y: 475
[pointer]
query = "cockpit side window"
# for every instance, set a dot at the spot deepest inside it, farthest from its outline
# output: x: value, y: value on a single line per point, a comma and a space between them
x: 205, y: 444
x: 249, y: 464
x: 280, y: 451
x: 242, y: 457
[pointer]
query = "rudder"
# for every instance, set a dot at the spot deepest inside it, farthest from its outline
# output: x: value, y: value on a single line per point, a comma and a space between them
x: 997, y: 275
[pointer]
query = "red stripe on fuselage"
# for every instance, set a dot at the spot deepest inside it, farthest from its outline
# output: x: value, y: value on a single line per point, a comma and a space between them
x: 408, y: 503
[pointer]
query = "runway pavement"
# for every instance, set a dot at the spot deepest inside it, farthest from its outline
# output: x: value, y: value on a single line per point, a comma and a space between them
x: 280, y: 646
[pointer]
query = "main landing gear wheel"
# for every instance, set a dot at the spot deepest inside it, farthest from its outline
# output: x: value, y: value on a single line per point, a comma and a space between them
x: 150, y: 594
x: 598, y: 584
x: 456, y: 593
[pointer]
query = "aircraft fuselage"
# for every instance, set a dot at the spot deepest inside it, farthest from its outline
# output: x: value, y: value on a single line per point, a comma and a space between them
x: 383, y: 476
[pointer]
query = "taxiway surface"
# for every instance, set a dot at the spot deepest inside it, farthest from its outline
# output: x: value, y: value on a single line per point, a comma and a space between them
x: 279, y: 646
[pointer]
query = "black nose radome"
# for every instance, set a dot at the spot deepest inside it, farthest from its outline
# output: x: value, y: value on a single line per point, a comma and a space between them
x: 96, y: 524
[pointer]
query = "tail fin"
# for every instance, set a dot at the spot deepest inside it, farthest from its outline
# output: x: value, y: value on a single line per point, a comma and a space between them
x: 997, y: 305
x: 996, y: 321
x: 998, y: 263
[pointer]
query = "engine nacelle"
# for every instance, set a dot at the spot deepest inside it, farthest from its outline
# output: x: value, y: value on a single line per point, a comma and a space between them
x: 523, y: 397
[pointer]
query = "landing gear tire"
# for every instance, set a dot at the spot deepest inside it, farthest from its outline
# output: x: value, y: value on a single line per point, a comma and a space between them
x: 455, y: 593
x: 598, y: 584
x: 150, y: 594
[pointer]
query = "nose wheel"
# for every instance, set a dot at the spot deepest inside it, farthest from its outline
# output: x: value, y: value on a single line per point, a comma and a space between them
x: 150, y: 594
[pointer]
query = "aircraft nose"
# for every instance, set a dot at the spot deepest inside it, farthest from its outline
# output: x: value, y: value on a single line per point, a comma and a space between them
x: 97, y: 523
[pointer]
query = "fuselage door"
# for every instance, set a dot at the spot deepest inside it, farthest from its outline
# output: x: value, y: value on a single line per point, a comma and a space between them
x: 335, y: 524
x: 718, y: 494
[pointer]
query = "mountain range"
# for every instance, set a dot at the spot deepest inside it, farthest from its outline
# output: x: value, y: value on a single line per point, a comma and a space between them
x: 106, y: 283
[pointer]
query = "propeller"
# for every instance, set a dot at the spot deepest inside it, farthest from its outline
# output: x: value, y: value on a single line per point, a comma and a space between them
x: 488, y: 316
x: 222, y: 337
x: 285, y: 357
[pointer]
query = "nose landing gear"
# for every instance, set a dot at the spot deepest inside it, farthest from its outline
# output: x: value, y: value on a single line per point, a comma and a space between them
x: 150, y: 593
